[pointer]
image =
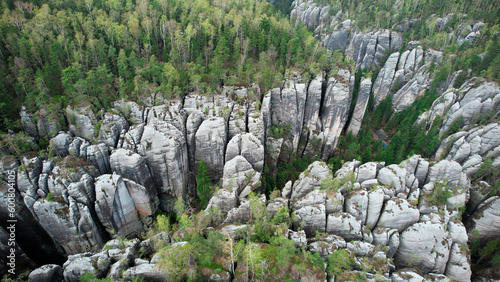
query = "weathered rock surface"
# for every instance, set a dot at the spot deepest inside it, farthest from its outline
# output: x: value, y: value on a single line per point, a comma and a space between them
x: 426, y: 246
x: 111, y: 127
x: 360, y: 107
x: 164, y: 148
x: 240, y: 177
x: 116, y: 208
x: 310, y: 179
x: 335, y: 110
x: 71, y: 225
x: 247, y: 146
x: 210, y: 143
x: 82, y: 122
x: 48, y: 272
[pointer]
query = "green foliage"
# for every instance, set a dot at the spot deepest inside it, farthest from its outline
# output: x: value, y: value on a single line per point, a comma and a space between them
x: 17, y: 144
x: 440, y: 194
x: 339, y: 262
x: 90, y: 277
x: 203, y: 185
x: 50, y: 197
x: 97, y: 52
x: 335, y: 184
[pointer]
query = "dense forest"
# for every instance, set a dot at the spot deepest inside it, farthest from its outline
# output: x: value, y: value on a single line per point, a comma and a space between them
x: 79, y: 52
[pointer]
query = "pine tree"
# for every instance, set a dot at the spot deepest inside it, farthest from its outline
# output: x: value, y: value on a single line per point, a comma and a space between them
x: 203, y: 186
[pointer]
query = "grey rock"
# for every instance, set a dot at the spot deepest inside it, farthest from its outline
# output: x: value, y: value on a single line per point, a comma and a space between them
x: 28, y: 122
x: 171, y: 113
x: 345, y: 225
x: 298, y: 237
x: 248, y: 146
x: 131, y: 111
x: 48, y: 272
x: 221, y: 203
x: 375, y: 204
x: 334, y: 202
x: 59, y: 145
x: 28, y: 174
x: 338, y: 39
x: 237, y: 121
x: 276, y: 205
x: 72, y: 226
x: 241, y: 214
x: 479, y: 97
x: 426, y: 246
x: 486, y: 220
x: 313, y: 102
x: 111, y: 127
x: 335, y: 110
x: 394, y: 177
x: 211, y: 140
x: 311, y: 218
x: 406, y: 275
x: 384, y: 81
x: 80, y: 264
x: 132, y: 166
x: 98, y: 155
x: 360, y: 107
x: 240, y: 177
x: 66, y: 171
x: 398, y: 214
x: 310, y: 179
x: 82, y: 122
x: 366, y: 171
x: 147, y: 271
x: 164, y: 148
x: 78, y: 146
x: 356, y: 204
x: 315, y: 197
x: 458, y: 267
x: 115, y: 207
x: 458, y: 232
x: 450, y: 171
x: 132, y: 138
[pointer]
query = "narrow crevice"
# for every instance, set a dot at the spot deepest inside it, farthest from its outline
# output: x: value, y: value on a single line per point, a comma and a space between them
x: 324, y: 86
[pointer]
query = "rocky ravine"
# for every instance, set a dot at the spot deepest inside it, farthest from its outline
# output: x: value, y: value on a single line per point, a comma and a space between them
x: 112, y: 172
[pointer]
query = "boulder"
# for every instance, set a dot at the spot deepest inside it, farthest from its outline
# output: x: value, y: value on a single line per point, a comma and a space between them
x: 111, y: 127
x: 59, y: 145
x: 458, y: 267
x: 310, y: 179
x: 98, y: 155
x: 240, y: 177
x: 484, y: 224
x: 210, y: 142
x: 81, y: 264
x: 311, y: 219
x: 345, y: 225
x: 72, y: 226
x: 424, y: 245
x: 356, y: 203
x: 247, y: 146
x: 398, y: 214
x: 165, y: 150
x: 147, y: 271
x: 48, y: 272
x: 82, y: 122
x: 115, y: 206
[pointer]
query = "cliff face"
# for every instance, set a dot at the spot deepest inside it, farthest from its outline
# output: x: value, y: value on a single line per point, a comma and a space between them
x: 114, y: 187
